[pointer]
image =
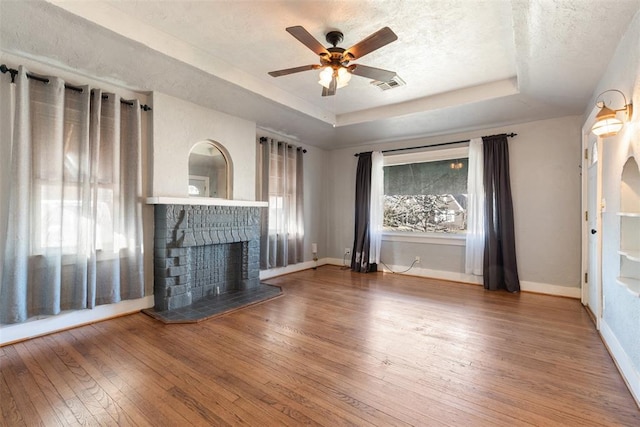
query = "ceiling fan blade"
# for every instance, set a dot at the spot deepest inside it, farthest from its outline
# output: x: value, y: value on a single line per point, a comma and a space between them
x: 307, y: 39
x: 372, y: 72
x: 333, y: 86
x: 286, y: 71
x: 375, y: 41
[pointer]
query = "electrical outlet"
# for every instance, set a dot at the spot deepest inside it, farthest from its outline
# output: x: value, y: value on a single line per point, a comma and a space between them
x: 417, y: 260
x: 347, y: 251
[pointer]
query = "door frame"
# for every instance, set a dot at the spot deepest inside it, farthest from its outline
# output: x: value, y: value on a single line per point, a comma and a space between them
x: 588, y: 137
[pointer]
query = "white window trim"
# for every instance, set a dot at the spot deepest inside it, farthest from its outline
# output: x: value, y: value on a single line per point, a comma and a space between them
x: 426, y: 156
x: 429, y: 238
x: 420, y: 157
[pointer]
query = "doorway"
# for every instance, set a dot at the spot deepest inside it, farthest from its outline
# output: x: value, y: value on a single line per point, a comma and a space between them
x: 592, y: 225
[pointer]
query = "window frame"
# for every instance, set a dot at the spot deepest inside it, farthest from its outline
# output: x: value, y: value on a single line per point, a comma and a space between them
x: 433, y: 155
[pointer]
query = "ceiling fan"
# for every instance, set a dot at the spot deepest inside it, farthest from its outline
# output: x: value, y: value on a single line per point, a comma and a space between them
x: 334, y: 61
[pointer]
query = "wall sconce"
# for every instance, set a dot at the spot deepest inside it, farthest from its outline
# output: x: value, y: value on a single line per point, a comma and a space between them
x: 607, y: 123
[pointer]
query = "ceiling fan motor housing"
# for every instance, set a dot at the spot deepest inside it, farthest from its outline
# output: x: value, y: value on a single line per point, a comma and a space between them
x: 336, y: 58
x: 334, y: 37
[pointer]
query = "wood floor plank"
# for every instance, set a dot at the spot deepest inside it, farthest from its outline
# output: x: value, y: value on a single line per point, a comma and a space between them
x: 357, y: 362
x: 271, y: 366
x: 338, y: 349
x: 84, y: 386
x: 383, y: 369
x: 397, y: 409
x: 156, y: 386
x: 111, y: 398
x: 40, y: 353
x: 174, y: 371
x: 241, y: 361
x: 54, y: 400
x: 27, y: 396
x: 129, y: 381
x: 9, y: 410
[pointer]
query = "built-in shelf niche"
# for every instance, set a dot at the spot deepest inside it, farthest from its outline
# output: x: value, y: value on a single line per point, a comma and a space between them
x: 630, y: 227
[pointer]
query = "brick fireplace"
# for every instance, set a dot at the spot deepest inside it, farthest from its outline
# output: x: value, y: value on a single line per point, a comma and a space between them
x: 204, y: 249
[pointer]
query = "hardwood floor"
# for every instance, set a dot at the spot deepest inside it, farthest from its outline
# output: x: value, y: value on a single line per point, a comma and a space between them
x: 338, y: 349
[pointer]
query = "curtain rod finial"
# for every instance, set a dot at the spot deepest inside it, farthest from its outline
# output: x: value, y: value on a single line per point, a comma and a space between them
x: 4, y: 69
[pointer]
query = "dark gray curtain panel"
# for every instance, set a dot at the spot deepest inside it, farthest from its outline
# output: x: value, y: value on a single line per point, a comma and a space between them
x: 500, y: 269
x: 362, y: 242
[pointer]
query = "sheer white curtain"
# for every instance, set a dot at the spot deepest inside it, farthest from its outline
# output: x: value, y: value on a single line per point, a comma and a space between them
x: 282, y: 236
x: 7, y: 110
x: 376, y: 207
x: 74, y: 222
x: 475, y: 210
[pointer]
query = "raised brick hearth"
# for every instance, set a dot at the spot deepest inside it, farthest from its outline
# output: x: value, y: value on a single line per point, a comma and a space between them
x: 202, y: 251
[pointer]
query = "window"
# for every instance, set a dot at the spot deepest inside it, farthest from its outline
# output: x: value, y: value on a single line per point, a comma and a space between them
x: 61, y: 222
x: 426, y: 192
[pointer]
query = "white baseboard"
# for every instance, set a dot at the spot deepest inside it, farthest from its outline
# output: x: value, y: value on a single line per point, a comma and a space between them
x: 629, y: 372
x: 337, y: 261
x: 546, y: 288
x: 274, y: 272
x: 70, y: 319
x: 540, y: 288
x: 436, y: 274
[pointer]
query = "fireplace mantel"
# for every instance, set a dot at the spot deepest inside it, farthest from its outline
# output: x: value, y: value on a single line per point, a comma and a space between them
x: 204, y: 201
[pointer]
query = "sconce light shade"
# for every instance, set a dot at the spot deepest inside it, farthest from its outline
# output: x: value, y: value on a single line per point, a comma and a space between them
x: 607, y: 123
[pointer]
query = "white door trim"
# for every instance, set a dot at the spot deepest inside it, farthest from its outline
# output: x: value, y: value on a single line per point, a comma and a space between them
x: 587, y: 137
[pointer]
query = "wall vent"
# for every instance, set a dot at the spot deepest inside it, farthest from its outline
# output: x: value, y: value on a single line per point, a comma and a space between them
x: 393, y: 83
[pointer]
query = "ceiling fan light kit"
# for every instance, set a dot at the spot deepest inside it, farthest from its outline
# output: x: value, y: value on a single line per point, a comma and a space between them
x: 334, y: 61
x: 327, y: 73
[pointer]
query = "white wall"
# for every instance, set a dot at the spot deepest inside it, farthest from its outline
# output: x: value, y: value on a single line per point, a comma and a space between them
x: 178, y: 125
x: 620, y: 325
x: 545, y: 179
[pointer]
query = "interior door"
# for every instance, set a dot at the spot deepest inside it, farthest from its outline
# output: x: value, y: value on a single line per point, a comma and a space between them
x: 593, y: 282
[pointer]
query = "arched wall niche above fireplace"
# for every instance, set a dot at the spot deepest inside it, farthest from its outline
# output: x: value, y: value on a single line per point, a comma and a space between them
x: 210, y: 171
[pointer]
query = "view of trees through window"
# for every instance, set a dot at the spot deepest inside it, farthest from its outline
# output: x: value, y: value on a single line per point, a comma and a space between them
x: 426, y: 197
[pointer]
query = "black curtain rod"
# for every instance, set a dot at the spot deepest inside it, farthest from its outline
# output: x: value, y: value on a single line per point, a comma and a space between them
x: 4, y: 69
x: 509, y: 135
x: 265, y: 139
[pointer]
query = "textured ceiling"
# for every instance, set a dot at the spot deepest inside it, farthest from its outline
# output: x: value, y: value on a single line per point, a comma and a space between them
x: 468, y: 64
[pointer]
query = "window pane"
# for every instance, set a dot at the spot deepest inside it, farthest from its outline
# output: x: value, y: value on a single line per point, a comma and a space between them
x: 426, y: 197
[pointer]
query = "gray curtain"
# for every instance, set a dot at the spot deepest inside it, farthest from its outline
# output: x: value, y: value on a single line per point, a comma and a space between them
x: 74, y: 223
x: 281, y: 184
x: 500, y: 270
x: 361, y: 236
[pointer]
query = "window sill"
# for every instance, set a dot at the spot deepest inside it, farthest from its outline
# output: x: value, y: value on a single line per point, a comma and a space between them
x: 429, y: 238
